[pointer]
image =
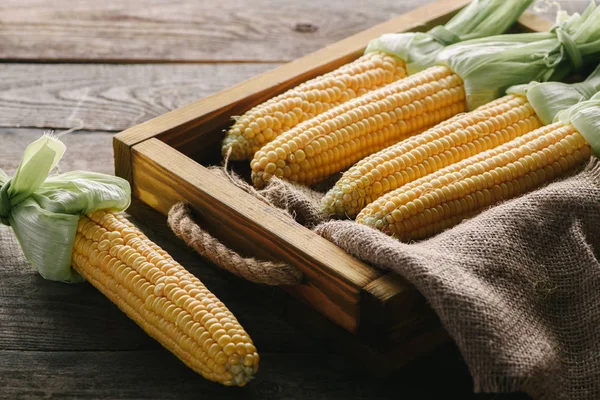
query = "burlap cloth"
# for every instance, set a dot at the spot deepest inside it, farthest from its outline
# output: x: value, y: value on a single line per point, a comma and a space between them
x: 517, y: 287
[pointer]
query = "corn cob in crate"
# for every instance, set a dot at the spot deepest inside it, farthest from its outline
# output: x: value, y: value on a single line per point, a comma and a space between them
x: 463, y: 136
x: 470, y: 74
x: 443, y: 199
x: 384, y: 62
x: 336, y: 139
x: 168, y: 302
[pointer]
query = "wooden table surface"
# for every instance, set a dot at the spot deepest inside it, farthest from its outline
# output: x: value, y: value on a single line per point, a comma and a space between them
x: 99, y: 67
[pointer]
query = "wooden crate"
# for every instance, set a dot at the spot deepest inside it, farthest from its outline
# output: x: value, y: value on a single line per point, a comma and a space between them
x: 165, y: 161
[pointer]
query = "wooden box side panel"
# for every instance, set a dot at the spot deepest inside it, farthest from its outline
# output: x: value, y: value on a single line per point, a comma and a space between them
x: 334, y: 279
x: 381, y: 324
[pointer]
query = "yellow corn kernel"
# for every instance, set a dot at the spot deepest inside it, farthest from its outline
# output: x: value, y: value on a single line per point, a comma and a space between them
x: 442, y: 199
x: 447, y: 143
x: 265, y: 122
x: 168, y: 302
x: 335, y: 140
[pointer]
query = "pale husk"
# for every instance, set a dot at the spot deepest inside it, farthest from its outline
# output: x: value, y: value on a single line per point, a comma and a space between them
x: 550, y: 98
x: 480, y: 18
x: 43, y: 211
x: 491, y: 65
x: 585, y: 117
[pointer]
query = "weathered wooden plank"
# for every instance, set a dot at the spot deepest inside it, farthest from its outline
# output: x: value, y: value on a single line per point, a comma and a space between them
x: 107, y: 97
x: 36, y: 314
x: 183, y: 30
x: 159, y: 30
x: 159, y: 375
x: 81, y: 320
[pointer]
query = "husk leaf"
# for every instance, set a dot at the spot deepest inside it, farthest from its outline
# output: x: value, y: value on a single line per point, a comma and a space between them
x: 550, y: 98
x: 480, y: 18
x: 585, y: 117
x: 491, y: 65
x: 43, y: 211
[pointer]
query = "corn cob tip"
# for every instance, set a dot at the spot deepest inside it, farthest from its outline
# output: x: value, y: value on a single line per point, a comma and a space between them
x: 373, y: 220
x: 342, y: 201
x: 260, y: 179
x: 244, y: 372
x: 237, y: 146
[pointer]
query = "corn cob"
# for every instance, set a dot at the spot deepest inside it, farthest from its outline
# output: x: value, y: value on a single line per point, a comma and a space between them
x: 266, y: 121
x: 338, y: 138
x: 168, y: 302
x: 441, y: 200
x: 461, y: 137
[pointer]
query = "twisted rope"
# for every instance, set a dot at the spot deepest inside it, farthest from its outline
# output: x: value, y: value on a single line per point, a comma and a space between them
x: 266, y: 272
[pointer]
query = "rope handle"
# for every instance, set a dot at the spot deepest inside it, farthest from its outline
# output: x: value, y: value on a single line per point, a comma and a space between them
x: 183, y: 225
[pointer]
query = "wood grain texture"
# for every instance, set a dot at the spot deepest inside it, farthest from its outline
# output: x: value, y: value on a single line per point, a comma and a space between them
x: 117, y: 375
x: 183, y: 30
x: 89, y: 151
x: 107, y: 97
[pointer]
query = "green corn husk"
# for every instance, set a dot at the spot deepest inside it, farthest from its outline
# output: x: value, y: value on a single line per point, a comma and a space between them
x: 480, y: 18
x: 550, y: 98
x: 490, y: 65
x: 585, y: 117
x: 43, y: 211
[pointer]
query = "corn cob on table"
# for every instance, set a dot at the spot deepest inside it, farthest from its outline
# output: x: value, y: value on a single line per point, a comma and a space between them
x: 168, y: 302
x: 163, y: 298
